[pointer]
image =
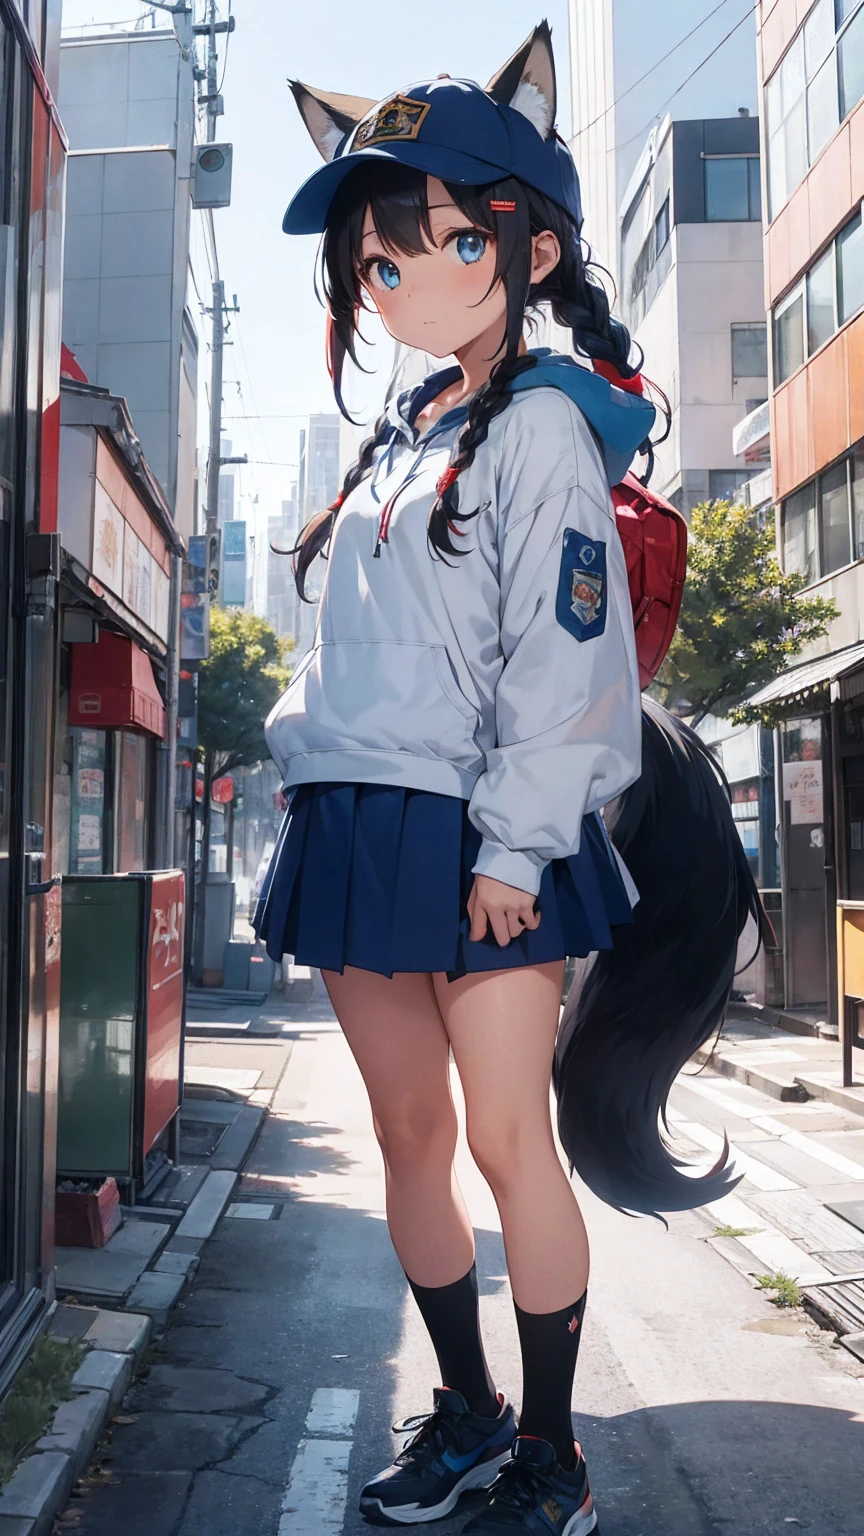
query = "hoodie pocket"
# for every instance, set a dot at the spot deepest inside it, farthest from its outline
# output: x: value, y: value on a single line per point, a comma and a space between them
x: 376, y: 696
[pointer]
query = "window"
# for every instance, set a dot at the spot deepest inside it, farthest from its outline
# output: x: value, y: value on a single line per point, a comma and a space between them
x: 131, y: 814
x: 858, y: 502
x: 732, y: 188
x: 834, y: 518
x: 817, y: 83
x: 850, y: 269
x: 831, y: 294
x: 661, y: 228
x: 799, y: 534
x: 850, y: 51
x: 789, y: 337
x: 749, y: 351
x: 823, y: 523
x: 723, y: 483
x: 821, y: 323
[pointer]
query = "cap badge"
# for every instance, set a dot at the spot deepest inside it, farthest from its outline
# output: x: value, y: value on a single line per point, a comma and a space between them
x: 398, y: 118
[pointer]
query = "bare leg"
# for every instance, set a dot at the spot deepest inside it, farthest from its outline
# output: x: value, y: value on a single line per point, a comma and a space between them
x: 502, y: 1026
x: 398, y: 1040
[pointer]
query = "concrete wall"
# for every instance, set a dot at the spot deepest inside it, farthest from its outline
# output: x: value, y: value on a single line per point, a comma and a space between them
x: 128, y: 107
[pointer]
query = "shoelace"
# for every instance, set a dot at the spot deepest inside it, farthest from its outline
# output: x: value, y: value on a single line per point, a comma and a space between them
x: 428, y: 1432
x: 517, y: 1487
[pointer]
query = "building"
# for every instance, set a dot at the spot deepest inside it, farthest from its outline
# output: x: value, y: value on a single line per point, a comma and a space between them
x: 318, y: 484
x: 128, y: 105
x: 631, y: 63
x: 811, y: 60
x: 32, y: 175
x: 283, y: 602
x: 118, y: 621
x: 691, y: 292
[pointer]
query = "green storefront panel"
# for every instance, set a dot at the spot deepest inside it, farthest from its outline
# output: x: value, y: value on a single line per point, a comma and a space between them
x: 101, y: 957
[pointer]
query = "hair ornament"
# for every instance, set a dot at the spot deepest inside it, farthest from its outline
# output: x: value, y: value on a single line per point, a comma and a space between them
x: 449, y: 477
x: 502, y: 205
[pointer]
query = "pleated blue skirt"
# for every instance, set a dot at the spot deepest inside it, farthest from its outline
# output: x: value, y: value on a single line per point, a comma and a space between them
x: 378, y: 877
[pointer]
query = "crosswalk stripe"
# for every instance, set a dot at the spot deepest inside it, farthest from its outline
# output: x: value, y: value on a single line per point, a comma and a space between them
x: 816, y: 1149
x: 314, y: 1501
x: 756, y: 1172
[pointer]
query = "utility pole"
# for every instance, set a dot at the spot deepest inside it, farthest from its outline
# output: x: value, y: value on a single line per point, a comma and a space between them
x: 215, y: 460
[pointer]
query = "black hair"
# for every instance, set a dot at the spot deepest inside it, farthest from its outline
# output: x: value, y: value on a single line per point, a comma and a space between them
x: 641, y: 1010
x: 397, y: 197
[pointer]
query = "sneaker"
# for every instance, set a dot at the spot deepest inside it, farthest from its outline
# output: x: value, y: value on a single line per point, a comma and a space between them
x: 451, y: 1450
x: 532, y: 1493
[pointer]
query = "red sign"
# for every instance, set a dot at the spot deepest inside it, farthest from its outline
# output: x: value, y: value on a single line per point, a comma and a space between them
x: 162, y: 1091
x: 222, y: 791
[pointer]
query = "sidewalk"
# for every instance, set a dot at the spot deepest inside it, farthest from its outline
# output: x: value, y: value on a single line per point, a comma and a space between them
x: 788, y: 1066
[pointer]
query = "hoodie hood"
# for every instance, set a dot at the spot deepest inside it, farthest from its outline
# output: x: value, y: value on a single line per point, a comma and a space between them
x: 620, y: 420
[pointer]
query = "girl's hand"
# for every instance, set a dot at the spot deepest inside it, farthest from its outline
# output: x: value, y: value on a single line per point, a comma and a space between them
x: 508, y: 910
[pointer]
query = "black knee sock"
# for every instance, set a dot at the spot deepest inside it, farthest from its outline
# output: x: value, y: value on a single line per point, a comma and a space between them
x: 550, y: 1343
x: 452, y: 1315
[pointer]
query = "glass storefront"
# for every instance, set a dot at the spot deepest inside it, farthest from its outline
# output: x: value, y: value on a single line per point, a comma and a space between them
x: 103, y: 796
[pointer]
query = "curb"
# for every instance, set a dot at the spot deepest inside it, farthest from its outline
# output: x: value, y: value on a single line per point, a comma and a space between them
x: 795, y: 1089
x: 41, y: 1485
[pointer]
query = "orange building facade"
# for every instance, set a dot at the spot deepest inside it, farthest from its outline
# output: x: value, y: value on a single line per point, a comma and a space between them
x: 811, y: 64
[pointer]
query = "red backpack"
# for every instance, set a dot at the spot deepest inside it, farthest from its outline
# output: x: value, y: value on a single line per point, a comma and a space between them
x: 654, y: 535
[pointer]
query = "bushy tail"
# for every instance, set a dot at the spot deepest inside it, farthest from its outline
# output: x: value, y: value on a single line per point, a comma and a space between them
x: 642, y: 1009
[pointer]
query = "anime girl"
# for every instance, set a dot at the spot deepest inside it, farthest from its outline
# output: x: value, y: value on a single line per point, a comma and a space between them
x: 470, y: 705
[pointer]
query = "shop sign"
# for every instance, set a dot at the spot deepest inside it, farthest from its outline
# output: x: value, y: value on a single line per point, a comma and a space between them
x: 802, y: 787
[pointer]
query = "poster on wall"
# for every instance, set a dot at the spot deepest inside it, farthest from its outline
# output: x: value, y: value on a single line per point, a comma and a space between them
x: 802, y: 787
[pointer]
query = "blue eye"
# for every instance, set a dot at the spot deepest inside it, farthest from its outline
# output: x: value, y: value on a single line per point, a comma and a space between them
x: 385, y: 274
x: 470, y: 248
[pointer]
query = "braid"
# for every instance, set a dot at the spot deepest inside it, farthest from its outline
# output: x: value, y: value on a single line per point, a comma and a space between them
x: 491, y: 399
x: 316, y: 533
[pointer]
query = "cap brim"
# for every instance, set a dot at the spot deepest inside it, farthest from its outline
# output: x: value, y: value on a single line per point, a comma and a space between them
x: 307, y: 212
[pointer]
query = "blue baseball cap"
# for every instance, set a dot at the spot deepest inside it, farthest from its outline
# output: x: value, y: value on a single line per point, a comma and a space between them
x: 451, y: 129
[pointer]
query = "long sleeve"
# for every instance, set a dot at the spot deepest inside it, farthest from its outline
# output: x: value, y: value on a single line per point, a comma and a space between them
x: 567, y: 700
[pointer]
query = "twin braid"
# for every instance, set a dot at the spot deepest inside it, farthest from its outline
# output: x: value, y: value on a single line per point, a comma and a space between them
x: 318, y: 536
x: 490, y: 400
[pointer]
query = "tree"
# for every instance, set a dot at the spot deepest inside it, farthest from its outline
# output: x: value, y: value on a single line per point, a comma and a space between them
x: 741, y: 618
x: 237, y: 688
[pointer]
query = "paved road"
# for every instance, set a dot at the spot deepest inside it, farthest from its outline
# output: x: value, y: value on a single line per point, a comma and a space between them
x: 702, y: 1409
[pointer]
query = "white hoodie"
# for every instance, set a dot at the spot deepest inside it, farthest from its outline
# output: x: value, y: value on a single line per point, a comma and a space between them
x: 506, y: 677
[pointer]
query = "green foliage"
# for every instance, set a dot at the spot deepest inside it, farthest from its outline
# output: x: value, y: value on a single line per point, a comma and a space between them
x: 787, y: 1292
x: 40, y: 1387
x: 237, y: 688
x: 741, y: 620
x: 727, y: 1231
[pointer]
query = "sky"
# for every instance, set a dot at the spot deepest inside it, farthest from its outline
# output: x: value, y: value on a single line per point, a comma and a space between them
x: 278, y: 354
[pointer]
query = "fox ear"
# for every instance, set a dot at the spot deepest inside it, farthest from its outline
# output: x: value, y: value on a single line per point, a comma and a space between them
x: 328, y: 116
x: 527, y: 81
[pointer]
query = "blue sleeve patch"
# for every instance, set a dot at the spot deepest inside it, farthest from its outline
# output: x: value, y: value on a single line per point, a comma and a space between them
x: 580, y: 607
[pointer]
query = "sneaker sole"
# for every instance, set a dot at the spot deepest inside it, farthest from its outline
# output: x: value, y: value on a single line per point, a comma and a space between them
x: 482, y: 1476
x: 583, y: 1523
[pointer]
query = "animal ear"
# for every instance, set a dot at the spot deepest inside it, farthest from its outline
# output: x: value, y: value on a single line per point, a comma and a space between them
x: 328, y: 116
x: 527, y: 81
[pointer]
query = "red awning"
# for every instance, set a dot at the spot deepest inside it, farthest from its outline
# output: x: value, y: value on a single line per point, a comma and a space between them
x: 113, y: 687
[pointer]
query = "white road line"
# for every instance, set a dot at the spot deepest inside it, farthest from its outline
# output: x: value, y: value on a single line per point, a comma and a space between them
x: 771, y: 1247
x: 757, y: 1173
x: 314, y: 1501
x: 333, y: 1412
x: 806, y: 1143
x: 727, y: 1101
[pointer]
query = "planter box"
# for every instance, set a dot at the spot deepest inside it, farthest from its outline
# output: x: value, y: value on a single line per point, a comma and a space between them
x: 85, y: 1218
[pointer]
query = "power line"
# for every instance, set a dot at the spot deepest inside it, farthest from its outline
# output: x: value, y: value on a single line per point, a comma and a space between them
x: 701, y: 65
x: 662, y: 60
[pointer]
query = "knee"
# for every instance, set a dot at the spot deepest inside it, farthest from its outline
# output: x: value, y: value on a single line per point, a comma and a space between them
x: 503, y: 1152
x: 413, y: 1135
